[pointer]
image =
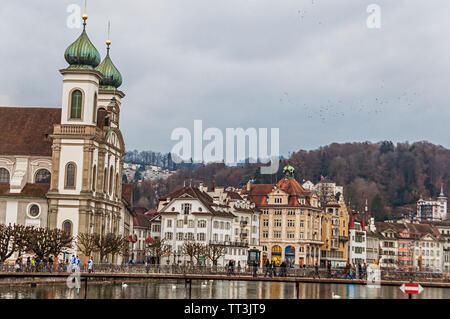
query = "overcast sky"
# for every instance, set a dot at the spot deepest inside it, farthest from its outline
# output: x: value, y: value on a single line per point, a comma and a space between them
x: 309, y: 67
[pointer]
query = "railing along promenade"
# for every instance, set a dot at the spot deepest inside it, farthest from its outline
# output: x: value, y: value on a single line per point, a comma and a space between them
x: 288, y: 274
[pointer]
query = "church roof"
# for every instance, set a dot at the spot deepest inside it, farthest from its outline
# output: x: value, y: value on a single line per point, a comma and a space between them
x: 25, y: 130
x: 29, y: 191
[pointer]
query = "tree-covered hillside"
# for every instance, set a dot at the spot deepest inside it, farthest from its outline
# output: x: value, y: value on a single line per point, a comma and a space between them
x: 391, y: 177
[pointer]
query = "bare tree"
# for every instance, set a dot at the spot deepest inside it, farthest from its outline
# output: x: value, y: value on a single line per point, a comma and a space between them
x: 214, y: 252
x: 193, y: 250
x: 158, y: 248
x: 13, y: 239
x: 45, y: 242
x: 86, y: 243
x: 109, y: 244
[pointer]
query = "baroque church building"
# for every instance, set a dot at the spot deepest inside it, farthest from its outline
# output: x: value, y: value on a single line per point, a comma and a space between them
x: 62, y: 167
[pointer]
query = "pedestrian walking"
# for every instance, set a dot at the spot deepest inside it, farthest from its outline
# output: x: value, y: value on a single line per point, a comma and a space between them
x: 17, y: 264
x: 38, y: 264
x: 33, y: 264
x: 268, y: 269
x: 28, y: 264
x: 255, y: 269
x: 90, y: 265
x: 50, y: 264
x: 359, y: 271
x: 44, y: 264
x: 316, y: 271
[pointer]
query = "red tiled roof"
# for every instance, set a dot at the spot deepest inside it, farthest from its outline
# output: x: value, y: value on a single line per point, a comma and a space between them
x: 292, y: 187
x: 25, y: 130
x: 29, y: 190
x: 258, y: 193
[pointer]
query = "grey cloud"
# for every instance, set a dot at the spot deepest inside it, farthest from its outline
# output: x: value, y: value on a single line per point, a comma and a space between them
x: 319, y: 74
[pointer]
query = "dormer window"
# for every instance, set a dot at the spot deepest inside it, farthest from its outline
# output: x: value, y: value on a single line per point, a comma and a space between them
x: 43, y: 176
x: 186, y: 208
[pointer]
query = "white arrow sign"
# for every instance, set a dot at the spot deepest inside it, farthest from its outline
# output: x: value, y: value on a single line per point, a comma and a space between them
x: 410, y: 288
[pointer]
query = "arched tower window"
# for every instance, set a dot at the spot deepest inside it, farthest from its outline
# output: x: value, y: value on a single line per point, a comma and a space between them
x: 43, y: 176
x: 105, y: 180
x: 76, y: 104
x: 111, y: 180
x: 4, y: 176
x: 117, y: 185
x: 94, y: 114
x: 70, y: 175
x: 67, y: 227
x: 94, y: 177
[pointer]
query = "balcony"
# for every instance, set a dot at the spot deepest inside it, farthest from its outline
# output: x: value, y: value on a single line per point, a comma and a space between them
x: 243, y: 223
x: 243, y: 234
x: 229, y: 243
x: 343, y: 238
x: 71, y: 129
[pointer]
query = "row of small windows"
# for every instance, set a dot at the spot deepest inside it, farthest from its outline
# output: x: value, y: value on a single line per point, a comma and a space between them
x: 42, y: 176
x: 70, y: 182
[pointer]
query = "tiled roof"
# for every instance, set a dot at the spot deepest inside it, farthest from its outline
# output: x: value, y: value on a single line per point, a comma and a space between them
x: 203, y: 197
x: 258, y: 193
x: 127, y: 193
x: 25, y: 130
x: 29, y: 190
x: 142, y: 220
x: 233, y: 195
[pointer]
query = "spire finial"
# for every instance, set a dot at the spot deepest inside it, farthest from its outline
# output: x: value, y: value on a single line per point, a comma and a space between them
x: 85, y: 16
x: 108, y: 41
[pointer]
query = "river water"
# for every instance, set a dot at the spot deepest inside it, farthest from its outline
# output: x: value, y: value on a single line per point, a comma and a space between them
x: 171, y: 289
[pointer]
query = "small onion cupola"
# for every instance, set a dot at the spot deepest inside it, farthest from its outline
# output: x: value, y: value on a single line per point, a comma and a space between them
x: 112, y: 77
x: 82, y: 54
x: 288, y: 172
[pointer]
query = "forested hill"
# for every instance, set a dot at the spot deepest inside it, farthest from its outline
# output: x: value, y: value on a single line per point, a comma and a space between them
x: 391, y: 177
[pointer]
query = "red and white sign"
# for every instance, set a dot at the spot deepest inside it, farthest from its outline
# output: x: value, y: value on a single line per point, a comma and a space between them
x: 409, y: 288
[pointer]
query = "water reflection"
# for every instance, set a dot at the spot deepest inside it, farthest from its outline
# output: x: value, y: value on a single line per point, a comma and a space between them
x: 211, y: 289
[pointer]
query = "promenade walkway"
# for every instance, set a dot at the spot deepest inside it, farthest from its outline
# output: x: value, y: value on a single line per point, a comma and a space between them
x: 293, y: 275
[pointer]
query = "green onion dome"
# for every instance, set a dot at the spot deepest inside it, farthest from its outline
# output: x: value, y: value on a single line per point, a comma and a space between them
x: 82, y: 54
x: 112, y: 77
x: 288, y: 171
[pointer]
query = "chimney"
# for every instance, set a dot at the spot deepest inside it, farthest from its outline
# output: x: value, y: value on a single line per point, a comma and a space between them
x: 213, y: 186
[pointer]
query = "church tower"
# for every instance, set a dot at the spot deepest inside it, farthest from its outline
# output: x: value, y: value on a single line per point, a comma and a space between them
x: 88, y: 147
x: 442, y: 199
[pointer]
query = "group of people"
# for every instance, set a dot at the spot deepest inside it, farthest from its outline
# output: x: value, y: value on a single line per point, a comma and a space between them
x: 35, y: 264
x: 357, y: 271
x: 271, y: 270
x: 50, y: 264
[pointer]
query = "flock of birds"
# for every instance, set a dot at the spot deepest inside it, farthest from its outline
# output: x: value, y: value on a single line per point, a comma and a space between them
x: 332, y: 110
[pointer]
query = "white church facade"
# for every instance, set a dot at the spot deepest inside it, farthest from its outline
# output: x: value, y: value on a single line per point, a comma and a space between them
x: 62, y: 167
